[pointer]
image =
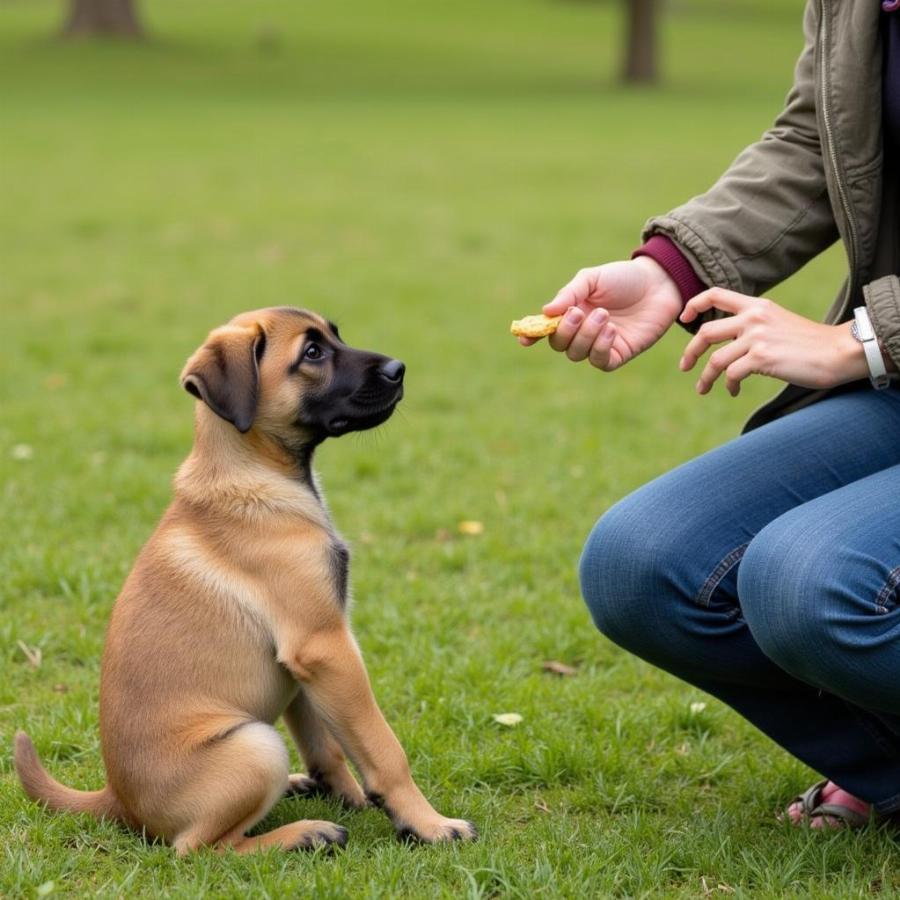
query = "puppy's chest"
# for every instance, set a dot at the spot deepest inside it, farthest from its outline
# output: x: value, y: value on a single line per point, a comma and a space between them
x: 302, y: 574
x: 322, y: 568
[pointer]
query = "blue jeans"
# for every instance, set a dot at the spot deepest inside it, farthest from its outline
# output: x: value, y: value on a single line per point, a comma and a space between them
x: 766, y: 572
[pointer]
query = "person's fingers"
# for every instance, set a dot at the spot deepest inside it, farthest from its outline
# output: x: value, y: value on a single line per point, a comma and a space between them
x: 599, y: 355
x: 576, y: 291
x: 570, y: 324
x: 711, y: 333
x: 526, y: 341
x: 718, y: 362
x: 583, y: 339
x: 718, y: 298
x: 737, y: 372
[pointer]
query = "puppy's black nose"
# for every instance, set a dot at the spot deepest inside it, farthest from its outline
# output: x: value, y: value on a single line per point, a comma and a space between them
x: 392, y: 370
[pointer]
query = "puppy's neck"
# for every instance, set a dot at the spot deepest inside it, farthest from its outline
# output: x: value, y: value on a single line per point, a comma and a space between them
x: 249, y: 475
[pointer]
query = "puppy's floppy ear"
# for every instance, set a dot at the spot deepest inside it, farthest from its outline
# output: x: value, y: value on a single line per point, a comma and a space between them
x: 224, y: 373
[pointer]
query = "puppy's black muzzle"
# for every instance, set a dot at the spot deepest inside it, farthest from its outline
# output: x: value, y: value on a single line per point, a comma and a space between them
x: 364, y: 393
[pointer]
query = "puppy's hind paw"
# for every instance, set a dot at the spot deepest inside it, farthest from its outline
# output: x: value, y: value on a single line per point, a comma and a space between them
x: 344, y: 788
x: 326, y: 835
x: 303, y: 786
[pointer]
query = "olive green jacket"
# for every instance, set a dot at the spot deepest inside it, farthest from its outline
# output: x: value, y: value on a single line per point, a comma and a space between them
x: 817, y: 175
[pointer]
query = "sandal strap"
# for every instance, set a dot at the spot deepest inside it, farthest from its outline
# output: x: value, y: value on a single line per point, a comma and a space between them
x: 837, y: 810
x: 810, y: 799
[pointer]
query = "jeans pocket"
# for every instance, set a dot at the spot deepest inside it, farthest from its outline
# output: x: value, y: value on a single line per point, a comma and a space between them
x: 887, y: 596
x: 719, y: 574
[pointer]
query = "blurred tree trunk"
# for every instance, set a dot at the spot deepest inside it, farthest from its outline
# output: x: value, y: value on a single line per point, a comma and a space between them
x: 116, y: 18
x: 640, y: 53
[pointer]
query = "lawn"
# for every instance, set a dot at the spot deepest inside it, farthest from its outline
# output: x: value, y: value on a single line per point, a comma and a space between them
x: 422, y: 173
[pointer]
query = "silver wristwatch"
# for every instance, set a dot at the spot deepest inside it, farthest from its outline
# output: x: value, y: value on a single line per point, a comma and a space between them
x: 861, y: 329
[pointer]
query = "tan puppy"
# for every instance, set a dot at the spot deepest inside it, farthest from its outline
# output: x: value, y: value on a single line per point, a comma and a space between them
x: 235, y: 614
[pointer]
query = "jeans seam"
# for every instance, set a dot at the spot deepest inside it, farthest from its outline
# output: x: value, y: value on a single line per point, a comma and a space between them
x: 890, y: 586
x: 720, y: 571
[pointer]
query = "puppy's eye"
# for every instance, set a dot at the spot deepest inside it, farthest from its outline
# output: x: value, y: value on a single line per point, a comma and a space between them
x: 313, y: 351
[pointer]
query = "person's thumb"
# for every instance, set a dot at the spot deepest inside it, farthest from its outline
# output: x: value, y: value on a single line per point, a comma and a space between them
x: 576, y: 291
x: 557, y: 306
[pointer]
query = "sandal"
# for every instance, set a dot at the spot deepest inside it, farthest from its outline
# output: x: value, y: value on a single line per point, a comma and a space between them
x: 812, y: 807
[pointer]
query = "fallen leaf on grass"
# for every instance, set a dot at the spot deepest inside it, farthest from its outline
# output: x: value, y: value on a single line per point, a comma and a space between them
x: 507, y: 719
x: 697, y: 708
x: 22, y: 452
x: 32, y: 654
x: 60, y: 688
x: 541, y: 805
x: 558, y: 668
x: 470, y: 527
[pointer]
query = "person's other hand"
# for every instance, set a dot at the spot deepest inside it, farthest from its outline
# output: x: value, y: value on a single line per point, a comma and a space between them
x: 767, y: 339
x: 613, y: 312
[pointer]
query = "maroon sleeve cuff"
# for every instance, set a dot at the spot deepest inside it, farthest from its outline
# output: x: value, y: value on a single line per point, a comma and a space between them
x: 667, y: 254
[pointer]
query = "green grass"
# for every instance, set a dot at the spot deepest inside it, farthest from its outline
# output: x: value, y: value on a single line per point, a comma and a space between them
x: 395, y: 166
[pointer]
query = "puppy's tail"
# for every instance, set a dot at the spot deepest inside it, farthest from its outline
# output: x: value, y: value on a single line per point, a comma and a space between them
x: 41, y: 786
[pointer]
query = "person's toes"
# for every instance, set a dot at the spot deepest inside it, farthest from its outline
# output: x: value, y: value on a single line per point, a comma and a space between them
x: 826, y: 823
x: 795, y: 813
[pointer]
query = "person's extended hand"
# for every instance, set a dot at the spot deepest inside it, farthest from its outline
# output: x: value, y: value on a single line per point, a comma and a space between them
x: 613, y: 312
x: 766, y: 339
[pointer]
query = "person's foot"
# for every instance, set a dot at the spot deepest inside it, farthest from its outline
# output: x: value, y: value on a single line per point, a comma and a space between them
x: 831, y: 797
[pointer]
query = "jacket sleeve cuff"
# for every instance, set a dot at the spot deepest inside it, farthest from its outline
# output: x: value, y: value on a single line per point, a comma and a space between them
x: 666, y: 252
x: 883, y: 301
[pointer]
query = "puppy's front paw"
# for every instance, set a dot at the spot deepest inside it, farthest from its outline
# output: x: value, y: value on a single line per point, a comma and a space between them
x: 438, y: 831
x: 351, y: 795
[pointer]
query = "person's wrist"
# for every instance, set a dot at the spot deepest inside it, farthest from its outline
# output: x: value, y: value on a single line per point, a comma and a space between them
x: 849, y: 362
x: 661, y: 285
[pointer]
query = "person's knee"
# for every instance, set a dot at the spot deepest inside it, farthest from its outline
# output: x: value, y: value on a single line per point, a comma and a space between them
x: 599, y: 549
x: 618, y: 576
x: 782, y: 590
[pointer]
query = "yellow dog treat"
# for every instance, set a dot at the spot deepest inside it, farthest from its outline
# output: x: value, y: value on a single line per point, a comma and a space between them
x: 535, y: 326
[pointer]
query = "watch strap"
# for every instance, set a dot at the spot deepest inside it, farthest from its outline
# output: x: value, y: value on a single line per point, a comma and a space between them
x: 865, y: 333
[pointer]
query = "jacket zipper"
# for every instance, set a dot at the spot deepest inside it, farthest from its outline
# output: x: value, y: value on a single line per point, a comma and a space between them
x: 841, y: 189
x: 832, y: 156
